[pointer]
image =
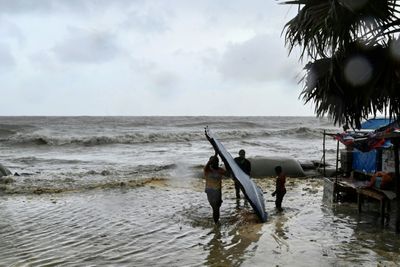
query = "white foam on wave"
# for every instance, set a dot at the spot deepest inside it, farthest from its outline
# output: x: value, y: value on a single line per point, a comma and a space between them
x: 87, y: 149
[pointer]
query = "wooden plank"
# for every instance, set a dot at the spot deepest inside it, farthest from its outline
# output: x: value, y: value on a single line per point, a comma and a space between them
x: 371, y: 193
x: 375, y: 195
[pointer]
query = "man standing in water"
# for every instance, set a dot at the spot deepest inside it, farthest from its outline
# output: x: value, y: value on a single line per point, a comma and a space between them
x: 280, y: 189
x: 245, y: 165
x: 213, y: 175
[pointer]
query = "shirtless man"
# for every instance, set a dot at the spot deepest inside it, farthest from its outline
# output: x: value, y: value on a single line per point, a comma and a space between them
x: 213, y: 175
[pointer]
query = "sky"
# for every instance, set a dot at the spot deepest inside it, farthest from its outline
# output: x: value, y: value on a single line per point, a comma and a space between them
x: 148, y: 57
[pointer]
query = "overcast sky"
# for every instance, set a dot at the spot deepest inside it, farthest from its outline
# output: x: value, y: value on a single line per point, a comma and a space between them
x: 145, y: 57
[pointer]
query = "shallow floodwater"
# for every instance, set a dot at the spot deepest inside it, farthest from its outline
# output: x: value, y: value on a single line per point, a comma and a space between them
x: 168, y: 222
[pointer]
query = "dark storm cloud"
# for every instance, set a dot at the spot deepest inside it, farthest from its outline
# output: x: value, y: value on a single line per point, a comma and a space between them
x: 143, y: 57
x: 84, y: 46
x: 262, y: 58
x: 31, y: 6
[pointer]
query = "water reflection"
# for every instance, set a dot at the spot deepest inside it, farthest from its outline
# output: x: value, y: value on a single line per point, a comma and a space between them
x: 231, y: 246
x: 366, y: 236
x: 280, y: 232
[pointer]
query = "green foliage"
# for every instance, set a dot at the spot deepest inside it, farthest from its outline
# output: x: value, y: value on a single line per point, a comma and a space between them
x: 341, y: 37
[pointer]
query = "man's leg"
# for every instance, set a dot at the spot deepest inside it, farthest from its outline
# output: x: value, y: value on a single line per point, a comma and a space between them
x: 279, y: 198
x: 215, y: 200
x: 216, y: 214
x: 237, y: 189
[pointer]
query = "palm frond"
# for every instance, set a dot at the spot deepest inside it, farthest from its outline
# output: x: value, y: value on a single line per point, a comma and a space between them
x: 323, y: 26
x: 327, y: 85
x: 337, y: 33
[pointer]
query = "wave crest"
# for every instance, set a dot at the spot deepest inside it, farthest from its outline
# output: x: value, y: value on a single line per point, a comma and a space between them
x: 302, y: 132
x: 157, y: 137
x: 136, y: 138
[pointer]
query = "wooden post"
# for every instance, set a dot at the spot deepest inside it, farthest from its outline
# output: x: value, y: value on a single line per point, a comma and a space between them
x: 323, y: 153
x: 397, y: 181
x: 337, y: 160
x: 383, y: 202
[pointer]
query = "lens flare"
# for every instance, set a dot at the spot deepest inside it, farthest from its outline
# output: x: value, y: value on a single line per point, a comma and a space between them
x: 358, y: 71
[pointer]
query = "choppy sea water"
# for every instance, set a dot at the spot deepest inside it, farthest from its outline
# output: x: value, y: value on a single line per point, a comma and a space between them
x: 74, y: 153
x: 124, y: 191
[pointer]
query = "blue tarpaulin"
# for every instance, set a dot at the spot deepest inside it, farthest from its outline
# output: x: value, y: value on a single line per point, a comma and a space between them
x: 374, y: 124
x: 365, y: 161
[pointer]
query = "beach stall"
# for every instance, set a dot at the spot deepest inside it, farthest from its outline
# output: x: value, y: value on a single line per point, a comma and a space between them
x: 368, y: 166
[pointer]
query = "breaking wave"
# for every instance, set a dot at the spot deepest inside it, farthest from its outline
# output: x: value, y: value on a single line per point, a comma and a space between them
x: 6, y: 132
x: 157, y: 137
x: 302, y: 132
x: 136, y: 138
x: 221, y: 124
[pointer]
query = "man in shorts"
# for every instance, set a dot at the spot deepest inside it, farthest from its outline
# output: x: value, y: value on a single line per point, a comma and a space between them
x: 213, y: 176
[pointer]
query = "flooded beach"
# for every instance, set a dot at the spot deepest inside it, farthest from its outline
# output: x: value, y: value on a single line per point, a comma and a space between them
x: 128, y: 191
x: 123, y: 121
x: 169, y: 223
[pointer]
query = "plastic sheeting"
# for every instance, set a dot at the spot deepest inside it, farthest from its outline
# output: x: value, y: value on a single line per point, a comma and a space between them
x: 374, y: 124
x: 365, y: 161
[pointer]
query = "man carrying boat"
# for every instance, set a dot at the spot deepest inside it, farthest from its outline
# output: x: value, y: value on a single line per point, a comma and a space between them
x: 213, y: 175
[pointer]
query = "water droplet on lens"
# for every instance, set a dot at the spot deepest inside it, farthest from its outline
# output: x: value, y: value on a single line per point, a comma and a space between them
x: 358, y: 71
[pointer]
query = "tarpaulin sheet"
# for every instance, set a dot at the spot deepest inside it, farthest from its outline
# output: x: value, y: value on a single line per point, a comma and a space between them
x: 365, y: 161
x: 374, y: 124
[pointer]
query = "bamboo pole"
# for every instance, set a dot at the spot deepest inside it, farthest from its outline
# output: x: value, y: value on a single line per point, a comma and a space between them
x: 337, y: 161
x: 397, y: 181
x: 323, y: 153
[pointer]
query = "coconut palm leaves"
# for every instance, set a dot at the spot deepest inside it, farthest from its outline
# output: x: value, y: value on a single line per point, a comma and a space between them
x: 357, y: 82
x: 355, y: 68
x: 323, y: 26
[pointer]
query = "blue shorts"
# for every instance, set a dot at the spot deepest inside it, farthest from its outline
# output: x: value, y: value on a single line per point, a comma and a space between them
x: 214, y: 197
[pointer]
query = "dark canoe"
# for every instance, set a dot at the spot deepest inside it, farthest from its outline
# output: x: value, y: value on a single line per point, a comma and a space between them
x: 252, y: 192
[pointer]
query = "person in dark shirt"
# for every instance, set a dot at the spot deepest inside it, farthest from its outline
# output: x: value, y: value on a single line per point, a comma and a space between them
x: 245, y: 165
x: 280, y: 189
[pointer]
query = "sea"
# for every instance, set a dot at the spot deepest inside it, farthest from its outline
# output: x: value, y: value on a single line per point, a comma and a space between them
x: 128, y: 191
x: 75, y: 153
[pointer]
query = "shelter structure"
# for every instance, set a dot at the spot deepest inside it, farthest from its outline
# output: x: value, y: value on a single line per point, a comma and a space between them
x: 370, y: 153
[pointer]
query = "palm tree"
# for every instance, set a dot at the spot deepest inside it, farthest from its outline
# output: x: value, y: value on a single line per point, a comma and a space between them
x: 355, y: 67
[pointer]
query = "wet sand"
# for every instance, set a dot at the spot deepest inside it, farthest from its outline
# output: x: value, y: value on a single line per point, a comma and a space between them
x: 168, y: 222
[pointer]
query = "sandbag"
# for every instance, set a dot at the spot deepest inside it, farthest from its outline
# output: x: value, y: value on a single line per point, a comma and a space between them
x: 265, y: 167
